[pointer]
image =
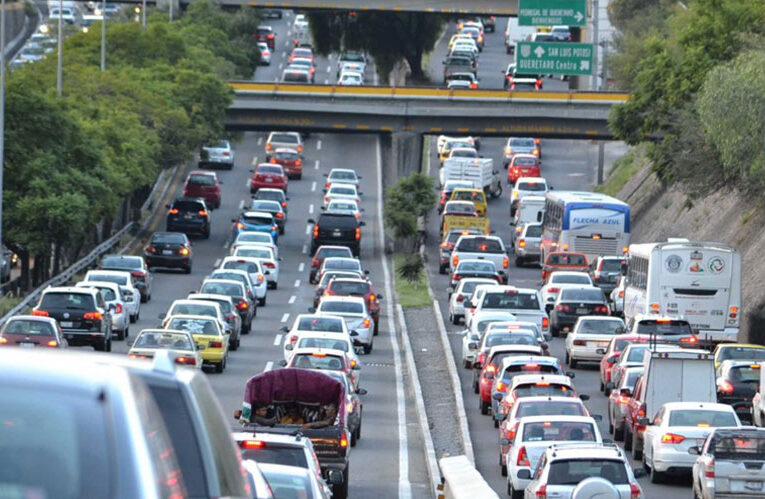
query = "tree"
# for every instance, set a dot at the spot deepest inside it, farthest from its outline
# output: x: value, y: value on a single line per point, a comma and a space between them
x: 411, y: 198
x: 385, y: 35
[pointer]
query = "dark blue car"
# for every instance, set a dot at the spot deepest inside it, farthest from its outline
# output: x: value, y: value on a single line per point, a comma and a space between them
x: 256, y: 221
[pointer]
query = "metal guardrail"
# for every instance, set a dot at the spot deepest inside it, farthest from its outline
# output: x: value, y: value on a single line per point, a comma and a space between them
x: 67, y: 274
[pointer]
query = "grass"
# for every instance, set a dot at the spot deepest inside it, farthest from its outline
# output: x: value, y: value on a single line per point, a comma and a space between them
x: 7, y: 303
x: 410, y: 294
x: 623, y: 170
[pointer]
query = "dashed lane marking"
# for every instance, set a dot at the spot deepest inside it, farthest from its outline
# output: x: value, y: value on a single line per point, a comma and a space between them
x: 260, y: 141
x: 313, y: 186
x: 278, y: 340
x: 285, y: 317
x: 301, y: 267
x: 316, y: 165
x: 217, y: 262
x: 318, y: 145
x: 297, y: 283
x: 310, y: 209
x: 254, y: 160
x: 269, y: 366
x: 307, y: 229
x: 225, y: 245
x: 241, y: 204
x: 305, y: 249
x: 292, y: 299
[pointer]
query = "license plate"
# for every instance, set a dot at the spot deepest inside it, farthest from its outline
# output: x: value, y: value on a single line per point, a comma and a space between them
x: 187, y: 216
x: 581, y: 310
x: 337, y: 233
x: 67, y: 324
x: 269, y: 180
x: 26, y: 345
x: 754, y: 485
x: 167, y: 252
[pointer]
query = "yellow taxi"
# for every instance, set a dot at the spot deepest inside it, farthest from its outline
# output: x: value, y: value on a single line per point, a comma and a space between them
x: 475, y: 196
x: 446, y: 149
x: 456, y: 37
x: 208, y: 335
x: 738, y: 351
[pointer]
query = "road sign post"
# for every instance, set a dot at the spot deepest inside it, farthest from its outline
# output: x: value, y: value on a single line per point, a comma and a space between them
x: 559, y: 58
x: 552, y: 12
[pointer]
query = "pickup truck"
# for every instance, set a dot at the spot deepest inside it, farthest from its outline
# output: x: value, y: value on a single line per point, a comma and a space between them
x: 305, y: 391
x: 524, y: 303
x: 481, y: 248
x: 479, y: 171
x: 458, y: 65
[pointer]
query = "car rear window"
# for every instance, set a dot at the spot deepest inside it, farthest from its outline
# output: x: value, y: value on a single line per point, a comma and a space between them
x: 285, y: 155
x: 276, y: 454
x: 739, y: 447
x: 573, y: 471
x: 611, y: 265
x: 459, y: 61
x: 341, y: 264
x: 339, y: 221
x: 118, y: 262
x: 297, y: 76
x: 31, y: 328
x: 549, y: 408
x: 330, y: 252
x: 543, y: 388
x: 193, y: 309
x: 284, y: 138
x: 566, y: 259
x: 254, y: 237
x: 188, y: 205
x: 320, y: 324
x: 330, y: 343
x: 108, y: 294
x: 558, y: 431
x: 117, y: 279
x: 231, y: 276
x: 533, y: 231
x: 464, y: 153
x: 531, y: 186
x: 346, y: 191
x: 318, y: 361
x: 480, y: 245
x: 258, y: 219
x: 163, y: 340
x: 600, y: 327
x: 529, y: 367
x: 169, y: 238
x: 342, y: 307
x: 336, y: 175
x: 524, y: 161
x: 253, y: 252
x: 73, y: 301
x: 703, y: 418
x: 570, y: 279
x: 249, y: 267
x: 476, y: 267
x: 742, y: 353
x: 272, y: 170
x: 745, y: 373
x: 581, y: 295
x: 221, y: 288
x: 266, y: 205
x: 516, y: 338
x: 459, y: 207
x: 202, y: 180
x: 469, y: 196
x: 194, y: 326
x: 522, y: 142
x: 350, y: 288
x: 274, y: 195
x: 510, y: 300
x: 636, y: 354
x: 664, y: 327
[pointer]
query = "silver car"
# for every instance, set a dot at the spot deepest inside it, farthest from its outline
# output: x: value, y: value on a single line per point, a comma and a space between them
x: 526, y: 244
x: 118, y: 308
x: 353, y: 310
x: 218, y: 154
x: 730, y: 463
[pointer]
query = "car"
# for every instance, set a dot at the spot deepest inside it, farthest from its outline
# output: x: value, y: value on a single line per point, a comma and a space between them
x: 200, y: 307
x: 460, y: 294
x: 136, y: 265
x: 190, y: 216
x: 313, y: 323
x: 664, y: 329
x: 266, y: 34
x: 515, y: 81
x: 259, y: 488
x: 458, y: 208
x: 521, y: 303
x: 590, y: 334
x: 245, y: 307
x: 290, y: 160
x: 352, y: 67
x: 81, y: 313
x: 529, y: 385
x: 300, y: 52
x: 473, y: 195
x: 475, y: 268
x: 729, y: 462
x: 515, y: 366
x: 227, y: 306
x: 32, y: 52
x: 526, y: 244
x: 737, y: 383
x: 459, y: 37
x: 118, y: 310
x: 456, y: 64
x: 208, y: 336
x: 677, y: 427
x: 268, y: 194
x: 350, y: 264
x: 489, y: 248
x: 324, y: 359
x: 274, y: 208
x: 463, y: 152
x: 515, y: 325
x: 323, y: 252
x: 523, y: 165
x: 169, y: 250
x: 205, y: 185
x: 357, y: 287
x: 354, y: 311
x: 468, y: 80
x: 526, y: 186
x: 472, y: 304
x: 564, y: 260
x: 294, y: 479
x: 254, y: 238
x: 32, y: 331
x: 334, y: 229
x: 454, y: 143
x: 124, y: 280
x: 342, y: 191
x: 611, y: 355
x: 448, y: 188
x: 532, y: 438
x: 350, y: 79
x: 561, y: 33
x: 475, y: 33
x: 605, y: 272
x: 256, y: 221
x: 617, y: 297
x: 272, y: 14
x: 218, y: 153
x: 67, y: 14
x: 563, y: 469
x: 343, y: 176
x: 447, y: 245
x: 333, y: 341
x: 619, y: 399
x: 354, y: 409
x: 738, y: 351
x: 266, y: 258
x: 492, y: 351
x: 296, y: 75
x: 573, y: 303
x: 265, y: 54
x: 149, y: 341
x: 276, y: 140
x: 328, y: 276
x: 343, y: 207
x: 268, y: 175
x: 353, y: 57
x: 128, y: 439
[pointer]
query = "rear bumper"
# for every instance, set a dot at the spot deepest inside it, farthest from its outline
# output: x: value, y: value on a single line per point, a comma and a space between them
x: 188, y: 227
x: 167, y: 261
x: 81, y: 338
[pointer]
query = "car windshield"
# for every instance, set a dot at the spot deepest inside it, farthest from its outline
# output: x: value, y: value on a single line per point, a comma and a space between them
x: 703, y: 418
x: 661, y: 327
x: 222, y: 288
x: 549, y: 408
x: 566, y: 259
x: 510, y: 299
x: 258, y: 220
x: 194, y: 326
x: 284, y: 138
x: 193, y: 309
x: 516, y: 338
x: 341, y: 175
x: 332, y: 344
x: 342, y: 307
x: 533, y: 231
x: 739, y: 447
x: 476, y: 267
x: 71, y: 458
x: 594, y: 294
x: 72, y: 301
x: 350, y: 288
x: 276, y: 454
x: 529, y: 367
x: 570, y: 279
x: 600, y: 327
x: 531, y: 186
x: 170, y: 238
x: 459, y: 207
x: 320, y: 324
x: 543, y: 388
x: 573, y: 471
x: 188, y: 206
x: 469, y: 286
x: 325, y: 252
x: 202, y: 180
x: 271, y: 170
x: 249, y: 267
x: 271, y: 194
x: 471, y: 196
x: 524, y: 161
x: 340, y: 222
x: 346, y: 191
x: 636, y: 354
x: 254, y: 237
x: 119, y: 262
x: 480, y: 245
x: 286, y: 155
x: 558, y: 431
x: 522, y: 142
x: 464, y: 153
x: 253, y: 252
x: 29, y: 327
x: 741, y: 353
x: 163, y: 340
x: 317, y: 361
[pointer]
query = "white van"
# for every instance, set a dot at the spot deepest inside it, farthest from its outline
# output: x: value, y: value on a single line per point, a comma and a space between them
x: 530, y: 210
x: 515, y: 33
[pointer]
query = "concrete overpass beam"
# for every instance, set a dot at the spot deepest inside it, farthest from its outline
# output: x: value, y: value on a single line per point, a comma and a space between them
x: 406, y: 153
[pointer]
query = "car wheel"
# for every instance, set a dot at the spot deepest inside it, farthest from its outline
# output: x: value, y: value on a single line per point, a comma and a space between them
x: 455, y: 320
x: 144, y: 298
x: 554, y: 331
x: 467, y: 364
x: 496, y: 422
x: 483, y: 406
x: 441, y: 269
x: 602, y: 386
x: 514, y: 494
x: 610, y: 423
x: 262, y: 302
x: 233, y: 345
x: 109, y: 344
x: 637, y: 453
x: 627, y: 438
x: 475, y: 386
x: 619, y: 432
x: 281, y: 231
x: 572, y: 362
x: 567, y: 358
x: 367, y: 349
x: 502, y: 465
x: 377, y: 327
x: 100, y: 346
x: 133, y: 318
x: 353, y: 438
x: 187, y: 270
x: 518, y: 261
x: 656, y: 476
x: 340, y: 491
x: 220, y: 366
x: 606, y: 391
x: 121, y: 335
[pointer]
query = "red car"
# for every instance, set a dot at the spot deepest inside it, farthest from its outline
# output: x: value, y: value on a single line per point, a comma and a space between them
x: 563, y: 260
x: 325, y: 252
x: 490, y: 368
x: 205, y: 185
x: 633, y: 432
x: 611, y: 356
x: 290, y: 160
x: 523, y: 165
x: 268, y: 175
x: 266, y: 35
x: 357, y: 287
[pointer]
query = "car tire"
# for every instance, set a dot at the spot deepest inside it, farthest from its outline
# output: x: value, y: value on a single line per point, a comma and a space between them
x: 475, y: 386
x: 602, y: 386
x: 610, y: 423
x: 636, y: 452
x: 496, y: 422
x: 627, y: 438
x: 206, y: 234
x: 109, y: 344
x: 377, y: 327
x: 567, y: 358
x: 483, y: 406
x: 367, y: 349
x: 262, y: 301
x: 518, y: 261
x: 233, y: 345
x: 144, y: 298
x: 220, y: 366
x: 133, y: 318
x: 618, y: 433
x: 340, y: 491
x: 467, y: 364
x: 502, y: 465
x: 231, y: 166
x: 514, y: 494
x: 656, y: 476
x: 121, y: 335
x: 281, y: 231
x: 100, y: 346
x: 572, y: 362
x: 455, y: 320
x: 442, y: 269
x: 187, y: 270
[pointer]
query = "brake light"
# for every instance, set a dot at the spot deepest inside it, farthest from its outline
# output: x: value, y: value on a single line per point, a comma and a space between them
x: 733, y: 312
x: 491, y: 368
x: 538, y: 84
x: 284, y: 204
x: 253, y: 444
x: 41, y: 313
x: 316, y: 235
x: 216, y: 344
x: 173, y: 211
x: 725, y: 387
x: 300, y: 148
x: 52, y: 343
x: 641, y: 410
x: 260, y: 277
x: 474, y: 85
x: 242, y: 305
x: 93, y: 316
x: 501, y: 386
x: 690, y: 339
x: 372, y: 298
x: 553, y: 290
x: 455, y: 260
x: 203, y: 213
x: 542, y: 491
x: 269, y: 265
x: 239, y: 225
x: 523, y: 458
x: 623, y: 400
x: 655, y: 307
x: 481, y: 357
x: 460, y: 298
x: 118, y: 308
x: 150, y: 249
x: 270, y: 36
x: 268, y: 146
x: 343, y: 441
x: 366, y: 323
x: 710, y: 471
x: 293, y: 339
x: 274, y: 227
x: 298, y: 163
x: 456, y: 277
x: 601, y: 309
x: 134, y: 356
x: 522, y: 243
x: 505, y: 262
x: 580, y: 343
x: 137, y: 273
x: 634, y: 491
x: 535, y: 152
x: 545, y: 322
x: 562, y: 308
x: 672, y: 438
x: 358, y: 233
x: 183, y: 251
x: 185, y: 360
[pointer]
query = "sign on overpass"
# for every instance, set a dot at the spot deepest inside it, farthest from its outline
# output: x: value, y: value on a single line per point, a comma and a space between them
x: 560, y: 58
x: 552, y: 13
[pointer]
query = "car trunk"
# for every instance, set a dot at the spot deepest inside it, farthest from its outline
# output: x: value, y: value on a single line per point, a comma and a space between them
x: 167, y: 248
x: 28, y: 341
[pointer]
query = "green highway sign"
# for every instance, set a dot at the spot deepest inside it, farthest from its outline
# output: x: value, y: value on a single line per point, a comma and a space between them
x: 552, y: 12
x: 560, y: 58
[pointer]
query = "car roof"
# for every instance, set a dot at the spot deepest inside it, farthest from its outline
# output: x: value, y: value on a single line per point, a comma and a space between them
x: 568, y: 272
x: 250, y: 213
x: 226, y: 281
x: 36, y: 318
x: 192, y: 316
x: 70, y: 289
x: 673, y: 406
x: 738, y: 363
x: 209, y: 296
x: 539, y: 180
x: 601, y: 318
x: 594, y: 450
x: 188, y: 301
x: 277, y: 438
x: 271, y: 189
x: 353, y: 299
x: 550, y: 398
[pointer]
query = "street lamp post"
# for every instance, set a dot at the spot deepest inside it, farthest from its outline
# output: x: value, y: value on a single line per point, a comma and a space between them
x: 2, y: 118
x: 143, y: 13
x: 60, y: 66
x: 103, y: 35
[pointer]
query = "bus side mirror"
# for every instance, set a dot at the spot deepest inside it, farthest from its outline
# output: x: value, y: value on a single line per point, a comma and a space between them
x: 539, y: 216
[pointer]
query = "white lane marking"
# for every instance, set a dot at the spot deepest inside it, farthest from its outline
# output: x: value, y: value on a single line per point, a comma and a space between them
x: 285, y: 317
x: 318, y: 145
x: 217, y: 262
x: 301, y: 267
x: 276, y: 79
x: 281, y: 66
x: 305, y: 249
x: 241, y: 204
x: 254, y: 160
x: 292, y: 299
x: 297, y: 283
x: 310, y: 209
x: 404, y: 487
x: 225, y: 245
x: 313, y: 186
x: 260, y: 141
x: 269, y: 366
x: 316, y: 165
x: 326, y: 81
x: 576, y: 174
x: 329, y: 69
x: 308, y: 229
x: 278, y: 340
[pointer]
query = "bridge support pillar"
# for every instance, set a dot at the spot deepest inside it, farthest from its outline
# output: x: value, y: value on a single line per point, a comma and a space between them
x: 406, y: 153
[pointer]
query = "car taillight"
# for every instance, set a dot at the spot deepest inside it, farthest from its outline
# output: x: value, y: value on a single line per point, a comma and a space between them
x: 252, y: 444
x: 553, y: 290
x: 293, y: 339
x: 672, y: 438
x: 725, y: 387
x: 623, y: 400
x: 269, y: 265
x: 173, y: 211
x: 298, y: 163
x: 562, y: 308
x: 231, y: 317
x: 372, y: 298
x: 366, y: 323
x: 134, y: 356
x: 242, y: 305
x: 268, y: 146
x: 523, y: 458
x: 260, y: 277
x: 455, y: 260
x: 183, y: 251
x: 690, y: 339
x: 542, y: 491
x: 93, y: 316
x: 522, y: 243
x: 491, y: 368
x: 118, y: 308
x: 601, y: 309
x: 641, y: 410
x: 137, y: 273
x: 634, y: 491
x: 545, y: 322
x: 460, y: 298
x: 284, y: 204
x: 270, y: 36
x: 300, y: 148
x: 315, y: 231
x: 535, y: 152
x: 505, y: 262
x: 274, y: 227
x: 185, y: 360
x: 203, y: 212
x: 538, y: 85
x: 52, y: 343
x: 580, y: 343
x: 41, y: 313
x: 474, y: 85
x: 710, y: 469
x: 239, y: 225
x: 150, y: 249
x: 481, y: 358
x: 216, y: 344
x: 358, y: 233
x: 456, y: 277
x: 501, y: 386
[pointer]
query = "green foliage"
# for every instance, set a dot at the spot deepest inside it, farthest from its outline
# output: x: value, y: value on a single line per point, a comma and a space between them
x: 410, y: 198
x: 622, y: 171
x: 411, y: 267
x: 411, y: 293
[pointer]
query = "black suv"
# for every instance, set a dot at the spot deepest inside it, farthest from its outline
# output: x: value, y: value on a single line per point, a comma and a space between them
x: 189, y: 215
x: 336, y: 230
x: 82, y: 313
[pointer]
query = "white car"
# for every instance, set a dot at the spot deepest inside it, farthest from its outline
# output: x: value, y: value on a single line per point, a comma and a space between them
x: 267, y: 258
x: 313, y: 323
x: 255, y: 270
x: 677, y: 427
x: 532, y: 437
x: 300, y: 22
x: 591, y: 333
x: 196, y: 307
x: 350, y: 79
x: 343, y: 207
x: 67, y: 14
x: 526, y: 186
x: 342, y: 176
x: 113, y: 298
x: 617, y: 297
x: 181, y: 343
x: 461, y: 294
x: 353, y: 67
x: 342, y: 191
x: 561, y: 279
x: 353, y: 310
x: 325, y: 359
x: 443, y: 139
x: 265, y: 54
x: 458, y: 85
x: 474, y: 299
x: 482, y: 320
x: 474, y: 267
x: 124, y: 279
x: 334, y: 341
x: 253, y: 237
x: 339, y: 263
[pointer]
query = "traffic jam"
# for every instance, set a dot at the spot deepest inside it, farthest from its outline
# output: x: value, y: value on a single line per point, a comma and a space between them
x: 659, y: 321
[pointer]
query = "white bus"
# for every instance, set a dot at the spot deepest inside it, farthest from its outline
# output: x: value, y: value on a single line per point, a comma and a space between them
x: 585, y: 222
x: 700, y: 282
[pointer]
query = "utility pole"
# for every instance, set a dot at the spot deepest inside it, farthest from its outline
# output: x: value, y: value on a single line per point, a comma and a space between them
x: 171, y: 10
x: 2, y: 120
x: 60, y: 65
x: 595, y: 35
x: 103, y: 36
x: 143, y: 14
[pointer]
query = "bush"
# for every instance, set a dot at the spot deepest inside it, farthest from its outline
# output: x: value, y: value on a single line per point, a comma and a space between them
x: 412, y: 197
x: 411, y: 268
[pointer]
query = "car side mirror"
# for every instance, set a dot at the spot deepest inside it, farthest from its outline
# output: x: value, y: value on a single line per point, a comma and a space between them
x: 335, y: 477
x: 477, y: 365
x: 610, y: 385
x: 130, y: 342
x: 354, y: 333
x: 323, y: 208
x: 597, y: 417
x: 326, y: 175
x: 362, y: 223
x: 379, y: 297
x: 640, y: 472
x: 162, y: 316
x: 267, y: 272
x: 356, y: 367
x: 284, y: 329
x: 472, y: 345
x: 252, y: 170
x: 571, y: 374
x: 311, y: 221
x: 497, y: 396
x: 288, y: 346
x: 584, y: 397
x: 233, y: 220
x: 643, y: 421
x: 544, y: 345
x: 695, y: 450
x: 361, y: 391
x: 283, y: 363
x: 324, y: 191
x: 111, y: 307
x: 312, y: 310
x: 524, y: 474
x: 624, y: 391
x: 600, y: 351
